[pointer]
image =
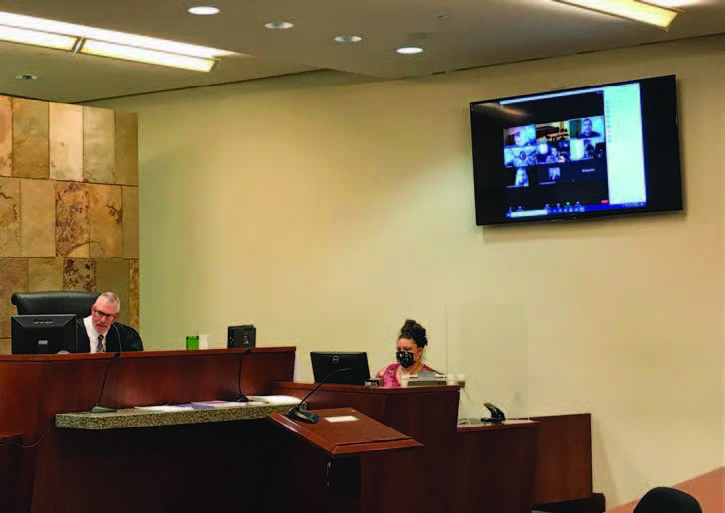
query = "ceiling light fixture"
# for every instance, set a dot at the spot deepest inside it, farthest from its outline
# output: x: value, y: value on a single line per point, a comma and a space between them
x: 203, y: 10
x: 36, y: 38
x: 109, y: 43
x: 348, y: 39
x: 131, y: 53
x: 409, y: 50
x: 111, y: 36
x: 279, y: 25
x: 674, y: 4
x: 629, y: 9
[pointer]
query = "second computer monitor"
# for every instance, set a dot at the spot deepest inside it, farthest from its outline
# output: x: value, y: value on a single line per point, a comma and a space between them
x: 324, y: 363
x: 43, y: 334
x: 243, y: 337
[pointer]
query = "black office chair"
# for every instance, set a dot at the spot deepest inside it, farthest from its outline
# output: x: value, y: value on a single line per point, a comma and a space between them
x: 667, y: 500
x: 55, y: 302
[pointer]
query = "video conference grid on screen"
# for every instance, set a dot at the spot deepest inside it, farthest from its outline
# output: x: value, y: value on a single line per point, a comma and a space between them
x: 594, y: 161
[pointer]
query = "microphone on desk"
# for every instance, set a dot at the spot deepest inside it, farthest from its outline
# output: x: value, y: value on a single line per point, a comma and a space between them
x: 300, y: 412
x: 118, y: 334
x: 242, y: 398
x: 497, y: 414
x: 104, y: 409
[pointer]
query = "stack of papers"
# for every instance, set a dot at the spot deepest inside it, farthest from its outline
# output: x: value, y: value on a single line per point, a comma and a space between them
x: 202, y: 405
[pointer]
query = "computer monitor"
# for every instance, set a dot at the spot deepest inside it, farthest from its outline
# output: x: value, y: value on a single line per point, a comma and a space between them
x: 325, y: 363
x: 242, y: 337
x: 43, y: 333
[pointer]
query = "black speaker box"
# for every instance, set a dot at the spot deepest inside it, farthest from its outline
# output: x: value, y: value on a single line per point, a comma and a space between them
x: 241, y: 336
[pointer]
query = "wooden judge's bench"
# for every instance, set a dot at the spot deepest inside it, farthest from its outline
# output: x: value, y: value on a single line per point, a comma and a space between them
x: 374, y: 450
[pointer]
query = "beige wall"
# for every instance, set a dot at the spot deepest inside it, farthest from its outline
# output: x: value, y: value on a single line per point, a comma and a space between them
x: 326, y: 210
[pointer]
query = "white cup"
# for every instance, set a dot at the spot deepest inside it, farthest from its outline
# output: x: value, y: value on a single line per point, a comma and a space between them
x: 204, y: 341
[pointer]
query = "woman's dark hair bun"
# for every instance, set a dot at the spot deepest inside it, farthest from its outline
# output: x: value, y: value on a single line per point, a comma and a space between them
x: 415, y: 332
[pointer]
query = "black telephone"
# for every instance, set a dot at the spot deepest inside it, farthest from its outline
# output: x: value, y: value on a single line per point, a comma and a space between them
x: 497, y: 415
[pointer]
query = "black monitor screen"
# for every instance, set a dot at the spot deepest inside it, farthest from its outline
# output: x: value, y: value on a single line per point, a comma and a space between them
x: 43, y: 334
x: 244, y: 336
x: 325, y: 363
x: 586, y: 152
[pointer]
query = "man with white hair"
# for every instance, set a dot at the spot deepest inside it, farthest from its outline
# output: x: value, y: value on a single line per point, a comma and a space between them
x: 100, y: 332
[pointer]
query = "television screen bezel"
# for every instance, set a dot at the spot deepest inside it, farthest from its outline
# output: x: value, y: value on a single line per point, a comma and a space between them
x: 323, y: 364
x: 660, y: 127
x: 25, y: 333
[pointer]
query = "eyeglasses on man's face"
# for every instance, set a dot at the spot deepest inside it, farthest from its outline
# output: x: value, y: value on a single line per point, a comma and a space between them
x: 103, y: 315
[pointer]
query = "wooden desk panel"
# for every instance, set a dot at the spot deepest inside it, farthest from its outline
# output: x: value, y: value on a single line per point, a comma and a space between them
x: 229, y: 466
x: 34, y: 388
x: 564, y: 458
x: 348, y: 438
x: 493, y: 468
x: 173, y: 377
x: 427, y: 414
x: 424, y: 413
x: 10, y: 460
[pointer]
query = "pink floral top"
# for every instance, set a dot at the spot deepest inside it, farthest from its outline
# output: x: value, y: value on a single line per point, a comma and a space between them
x: 389, y: 374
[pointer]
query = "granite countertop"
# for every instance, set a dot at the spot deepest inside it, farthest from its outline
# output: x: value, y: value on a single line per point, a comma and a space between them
x: 170, y: 415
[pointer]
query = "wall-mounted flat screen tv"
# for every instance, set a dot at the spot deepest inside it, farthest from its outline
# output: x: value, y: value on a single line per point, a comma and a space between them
x: 577, y: 153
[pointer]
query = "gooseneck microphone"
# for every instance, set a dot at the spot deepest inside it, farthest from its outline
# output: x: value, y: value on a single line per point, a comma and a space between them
x: 242, y: 398
x: 118, y: 334
x: 300, y: 412
x: 104, y: 409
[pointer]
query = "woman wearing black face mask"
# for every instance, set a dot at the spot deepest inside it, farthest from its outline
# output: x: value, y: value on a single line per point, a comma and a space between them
x: 411, y: 342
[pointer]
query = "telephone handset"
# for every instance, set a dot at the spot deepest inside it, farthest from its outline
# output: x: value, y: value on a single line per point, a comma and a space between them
x: 497, y: 415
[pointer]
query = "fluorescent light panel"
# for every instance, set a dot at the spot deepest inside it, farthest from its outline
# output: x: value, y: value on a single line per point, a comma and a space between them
x: 132, y: 53
x: 59, y: 27
x: 675, y: 4
x: 36, y: 38
x: 630, y: 9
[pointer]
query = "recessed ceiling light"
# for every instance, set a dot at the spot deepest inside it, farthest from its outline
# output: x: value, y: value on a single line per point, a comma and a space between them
x: 409, y: 50
x: 348, y: 39
x: 203, y: 10
x: 279, y: 25
x: 27, y: 76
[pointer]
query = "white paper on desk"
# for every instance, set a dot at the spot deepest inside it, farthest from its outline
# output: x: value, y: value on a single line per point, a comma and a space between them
x: 275, y: 399
x: 226, y: 404
x: 341, y: 418
x: 165, y: 407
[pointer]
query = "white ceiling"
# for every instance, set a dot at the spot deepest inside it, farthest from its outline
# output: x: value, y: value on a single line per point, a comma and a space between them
x: 456, y: 34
